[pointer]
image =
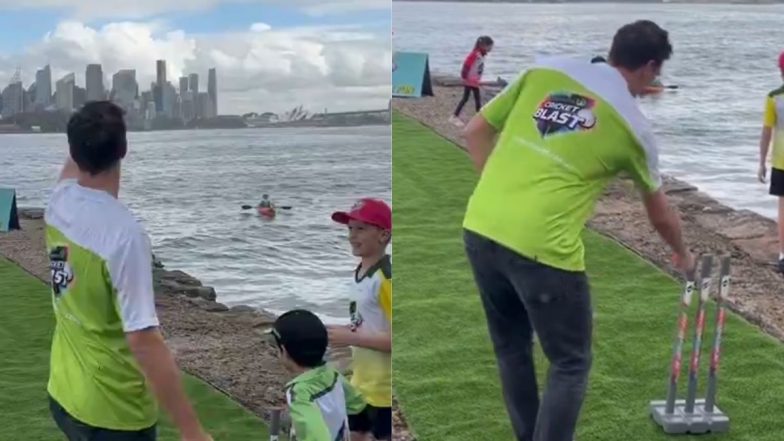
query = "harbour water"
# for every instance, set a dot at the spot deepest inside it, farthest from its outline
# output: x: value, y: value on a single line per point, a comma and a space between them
x: 724, y: 64
x: 187, y: 188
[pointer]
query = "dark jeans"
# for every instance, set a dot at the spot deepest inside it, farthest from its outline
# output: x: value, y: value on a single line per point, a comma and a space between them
x: 467, y: 90
x: 520, y: 296
x: 76, y: 430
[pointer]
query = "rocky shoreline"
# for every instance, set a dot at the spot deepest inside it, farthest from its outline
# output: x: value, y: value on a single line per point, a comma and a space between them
x: 223, y: 346
x: 709, y: 226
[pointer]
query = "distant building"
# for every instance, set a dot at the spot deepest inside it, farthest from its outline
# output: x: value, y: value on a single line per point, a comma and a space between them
x: 160, y: 66
x: 150, y: 112
x: 43, y: 87
x: 169, y: 99
x: 183, y: 86
x: 79, y: 97
x: 193, y: 83
x: 212, y: 90
x: 64, y: 92
x: 125, y: 89
x: 93, y: 81
x: 205, y: 107
x: 160, y: 84
x: 188, y: 106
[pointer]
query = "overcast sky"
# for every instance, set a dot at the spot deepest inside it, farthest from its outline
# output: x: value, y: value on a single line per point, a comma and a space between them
x: 270, y: 55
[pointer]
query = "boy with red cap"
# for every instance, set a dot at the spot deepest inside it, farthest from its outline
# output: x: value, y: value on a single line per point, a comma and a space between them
x: 370, y: 227
x: 773, y: 128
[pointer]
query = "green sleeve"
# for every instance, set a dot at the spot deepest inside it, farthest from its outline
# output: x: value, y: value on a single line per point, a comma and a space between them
x: 498, y: 109
x: 306, y: 418
x: 644, y: 169
x: 354, y: 401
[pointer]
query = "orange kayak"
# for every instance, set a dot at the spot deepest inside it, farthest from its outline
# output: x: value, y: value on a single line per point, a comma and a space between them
x: 266, y: 211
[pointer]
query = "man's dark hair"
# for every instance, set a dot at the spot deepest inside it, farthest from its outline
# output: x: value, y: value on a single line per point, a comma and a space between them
x: 638, y: 43
x: 96, y: 136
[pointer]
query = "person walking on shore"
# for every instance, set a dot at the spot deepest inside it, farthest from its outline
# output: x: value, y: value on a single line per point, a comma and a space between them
x: 471, y: 74
x: 565, y: 129
x: 773, y: 129
x: 108, y: 356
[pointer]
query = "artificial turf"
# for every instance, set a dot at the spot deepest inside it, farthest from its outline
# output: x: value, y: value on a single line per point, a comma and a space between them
x: 26, y: 324
x: 445, y: 375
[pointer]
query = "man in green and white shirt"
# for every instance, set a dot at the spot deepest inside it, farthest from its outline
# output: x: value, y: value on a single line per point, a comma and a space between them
x: 564, y: 130
x: 108, y: 361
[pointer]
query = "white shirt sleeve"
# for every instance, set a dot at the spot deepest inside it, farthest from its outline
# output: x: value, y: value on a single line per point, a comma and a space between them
x: 130, y: 268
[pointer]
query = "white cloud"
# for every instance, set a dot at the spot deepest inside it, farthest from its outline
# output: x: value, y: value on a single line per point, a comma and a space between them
x: 260, y: 27
x: 86, y: 10
x: 262, y: 69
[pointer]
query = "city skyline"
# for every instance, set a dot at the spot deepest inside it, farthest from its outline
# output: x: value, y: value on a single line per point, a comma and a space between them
x: 162, y: 99
x: 268, y: 58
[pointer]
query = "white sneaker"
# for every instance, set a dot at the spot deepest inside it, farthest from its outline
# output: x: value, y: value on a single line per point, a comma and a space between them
x: 456, y: 121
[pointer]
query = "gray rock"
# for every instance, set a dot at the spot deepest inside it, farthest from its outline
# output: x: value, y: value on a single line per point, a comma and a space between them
x: 242, y: 308
x: 173, y: 287
x: 31, y: 213
x: 208, y: 305
x: 180, y: 277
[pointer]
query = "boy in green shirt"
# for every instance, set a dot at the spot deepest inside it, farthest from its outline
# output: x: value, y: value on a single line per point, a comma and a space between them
x: 319, y: 398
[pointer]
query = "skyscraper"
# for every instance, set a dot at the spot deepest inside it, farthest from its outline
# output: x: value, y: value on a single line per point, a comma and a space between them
x: 94, y: 83
x: 13, y: 99
x: 193, y: 82
x: 169, y: 99
x: 212, y: 90
x: 65, y: 92
x: 204, y: 106
x: 160, y: 82
x: 125, y: 89
x: 43, y: 87
x: 183, y: 86
x: 161, y: 71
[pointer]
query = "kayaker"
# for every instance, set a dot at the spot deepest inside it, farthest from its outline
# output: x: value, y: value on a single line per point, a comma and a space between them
x: 265, y: 202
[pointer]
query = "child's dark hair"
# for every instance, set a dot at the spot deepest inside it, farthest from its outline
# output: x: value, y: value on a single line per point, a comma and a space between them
x: 303, y: 335
x: 484, y: 40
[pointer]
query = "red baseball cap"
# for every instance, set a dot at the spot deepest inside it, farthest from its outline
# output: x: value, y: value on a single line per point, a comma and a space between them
x: 368, y: 210
x: 781, y: 61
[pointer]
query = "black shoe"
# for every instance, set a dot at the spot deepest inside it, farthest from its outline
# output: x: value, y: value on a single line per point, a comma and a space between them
x: 780, y: 266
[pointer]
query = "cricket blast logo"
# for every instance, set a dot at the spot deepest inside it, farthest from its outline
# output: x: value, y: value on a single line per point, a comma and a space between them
x: 62, y: 275
x: 564, y: 113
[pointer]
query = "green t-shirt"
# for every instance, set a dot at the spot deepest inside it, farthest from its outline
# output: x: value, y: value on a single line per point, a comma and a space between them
x: 320, y: 401
x: 567, y: 127
x: 101, y: 267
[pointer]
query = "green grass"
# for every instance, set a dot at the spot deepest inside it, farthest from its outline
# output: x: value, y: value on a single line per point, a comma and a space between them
x: 445, y: 374
x: 26, y: 324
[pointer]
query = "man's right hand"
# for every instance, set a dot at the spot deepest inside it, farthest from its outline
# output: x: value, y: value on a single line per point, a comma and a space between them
x: 685, y: 263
